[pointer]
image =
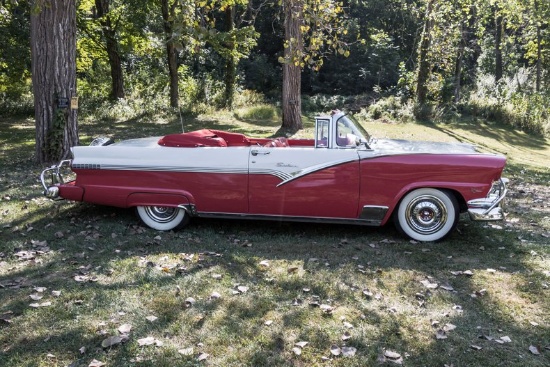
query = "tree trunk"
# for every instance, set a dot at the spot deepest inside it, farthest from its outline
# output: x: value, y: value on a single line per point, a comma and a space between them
x: 168, y: 13
x: 117, y: 78
x: 424, y: 63
x: 460, y: 57
x: 53, y: 50
x: 539, y: 47
x: 472, y: 42
x: 292, y: 72
x: 230, y: 63
x: 498, y: 46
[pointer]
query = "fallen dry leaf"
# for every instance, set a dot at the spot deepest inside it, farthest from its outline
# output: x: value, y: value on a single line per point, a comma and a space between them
x: 242, y: 289
x: 367, y: 293
x: 449, y: 327
x: 426, y: 283
x: 349, y: 351
x: 506, y: 339
x: 335, y: 350
x: 327, y: 309
x: 441, y: 334
x: 189, y: 301
x: 203, y: 356
x: 348, y: 325
x: 186, y: 351
x: 390, y: 356
x: 43, y: 304
x: 147, y: 341
x: 534, y: 350
x: 110, y: 341
x: 96, y: 363
x: 447, y: 287
x: 292, y: 269
x: 125, y: 328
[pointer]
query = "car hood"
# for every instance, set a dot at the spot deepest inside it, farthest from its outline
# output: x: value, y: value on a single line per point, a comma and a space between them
x: 393, y: 146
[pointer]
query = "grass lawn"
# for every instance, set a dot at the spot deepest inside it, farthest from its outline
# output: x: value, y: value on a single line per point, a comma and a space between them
x: 84, y: 285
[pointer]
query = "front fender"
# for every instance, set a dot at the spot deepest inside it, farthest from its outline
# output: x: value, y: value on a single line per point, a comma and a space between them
x: 463, y: 191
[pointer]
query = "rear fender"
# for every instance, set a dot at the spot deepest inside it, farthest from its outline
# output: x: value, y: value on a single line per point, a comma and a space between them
x: 157, y: 199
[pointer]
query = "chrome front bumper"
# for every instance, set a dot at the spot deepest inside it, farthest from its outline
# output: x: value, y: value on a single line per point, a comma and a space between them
x: 51, y: 190
x: 489, y: 208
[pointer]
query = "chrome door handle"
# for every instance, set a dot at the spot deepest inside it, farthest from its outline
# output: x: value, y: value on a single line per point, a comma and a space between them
x: 255, y: 152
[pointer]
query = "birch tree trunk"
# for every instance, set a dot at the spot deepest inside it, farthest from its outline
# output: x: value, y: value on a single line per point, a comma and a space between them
x: 53, y: 50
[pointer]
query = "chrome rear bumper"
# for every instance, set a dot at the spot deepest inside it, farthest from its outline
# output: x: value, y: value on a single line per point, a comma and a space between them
x: 51, y: 190
x: 489, y: 208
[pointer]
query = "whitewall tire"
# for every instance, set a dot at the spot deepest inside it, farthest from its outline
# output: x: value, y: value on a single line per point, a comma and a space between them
x: 427, y: 214
x: 163, y: 218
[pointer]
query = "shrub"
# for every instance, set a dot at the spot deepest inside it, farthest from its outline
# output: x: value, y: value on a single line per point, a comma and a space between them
x: 258, y: 112
x: 511, y: 102
x: 323, y: 102
x: 22, y: 105
x: 393, y: 108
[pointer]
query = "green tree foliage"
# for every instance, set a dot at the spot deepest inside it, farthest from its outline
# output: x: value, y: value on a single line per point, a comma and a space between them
x: 496, y: 50
x: 129, y: 23
x: 15, y: 53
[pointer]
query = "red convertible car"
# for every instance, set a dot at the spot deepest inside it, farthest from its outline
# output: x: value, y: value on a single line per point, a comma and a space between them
x: 342, y: 175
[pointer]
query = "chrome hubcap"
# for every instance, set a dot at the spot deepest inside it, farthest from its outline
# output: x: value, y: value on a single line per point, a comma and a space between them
x: 162, y: 214
x: 426, y: 214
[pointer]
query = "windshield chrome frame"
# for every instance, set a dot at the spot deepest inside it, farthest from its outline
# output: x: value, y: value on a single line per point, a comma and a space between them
x: 357, y: 129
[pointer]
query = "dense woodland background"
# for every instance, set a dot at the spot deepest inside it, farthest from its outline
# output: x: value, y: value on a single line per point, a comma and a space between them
x: 405, y: 59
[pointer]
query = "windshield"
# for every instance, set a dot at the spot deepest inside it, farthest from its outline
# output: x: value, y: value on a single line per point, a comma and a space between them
x: 349, y: 128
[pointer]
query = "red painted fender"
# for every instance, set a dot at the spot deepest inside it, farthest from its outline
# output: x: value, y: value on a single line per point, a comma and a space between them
x: 156, y: 199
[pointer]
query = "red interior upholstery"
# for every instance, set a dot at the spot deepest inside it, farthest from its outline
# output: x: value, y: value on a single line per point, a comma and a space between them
x: 233, y: 139
x: 277, y: 142
x: 199, y: 138
x: 218, y: 138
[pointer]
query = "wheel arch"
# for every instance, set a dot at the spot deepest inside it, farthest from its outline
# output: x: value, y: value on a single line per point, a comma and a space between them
x: 452, y: 190
x: 159, y: 199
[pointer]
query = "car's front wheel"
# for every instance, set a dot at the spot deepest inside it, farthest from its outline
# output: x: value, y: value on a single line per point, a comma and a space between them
x: 427, y: 214
x: 163, y: 218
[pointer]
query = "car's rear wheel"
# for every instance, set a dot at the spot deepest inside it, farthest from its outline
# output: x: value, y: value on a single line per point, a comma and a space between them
x: 427, y: 214
x: 163, y: 218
